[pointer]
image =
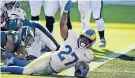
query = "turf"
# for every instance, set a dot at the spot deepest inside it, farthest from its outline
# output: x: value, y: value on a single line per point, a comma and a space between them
x: 119, y: 33
x: 110, y: 13
x: 121, y: 67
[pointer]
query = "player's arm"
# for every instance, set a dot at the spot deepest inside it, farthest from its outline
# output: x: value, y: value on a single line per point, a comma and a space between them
x: 10, y: 44
x: 21, y: 52
x: 63, y: 26
x: 63, y: 21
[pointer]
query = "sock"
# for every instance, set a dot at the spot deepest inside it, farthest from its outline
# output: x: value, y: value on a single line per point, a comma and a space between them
x: 49, y: 23
x: 101, y: 34
x: 35, y: 18
x: 15, y: 69
x: 20, y: 62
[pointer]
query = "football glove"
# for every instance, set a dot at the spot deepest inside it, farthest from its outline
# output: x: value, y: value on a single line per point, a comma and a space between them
x: 68, y: 5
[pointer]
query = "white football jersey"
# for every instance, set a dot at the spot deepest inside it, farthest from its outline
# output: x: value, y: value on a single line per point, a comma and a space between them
x: 17, y: 11
x: 69, y: 54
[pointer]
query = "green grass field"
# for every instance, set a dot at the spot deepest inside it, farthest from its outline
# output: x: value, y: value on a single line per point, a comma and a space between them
x: 119, y: 34
x: 121, y: 67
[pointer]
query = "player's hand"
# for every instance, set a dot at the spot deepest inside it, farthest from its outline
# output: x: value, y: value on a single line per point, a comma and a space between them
x: 68, y: 5
x: 20, y: 56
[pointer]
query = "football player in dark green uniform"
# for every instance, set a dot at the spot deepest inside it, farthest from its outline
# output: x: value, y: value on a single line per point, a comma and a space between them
x: 42, y: 35
x: 16, y: 41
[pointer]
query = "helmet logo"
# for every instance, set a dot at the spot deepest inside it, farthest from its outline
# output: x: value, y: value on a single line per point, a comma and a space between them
x: 82, y: 45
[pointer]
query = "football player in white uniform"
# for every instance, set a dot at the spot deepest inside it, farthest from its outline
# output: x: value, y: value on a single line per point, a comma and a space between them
x: 9, y: 9
x: 94, y: 7
x: 61, y: 4
x: 50, y: 9
x: 74, y: 51
x: 13, y: 8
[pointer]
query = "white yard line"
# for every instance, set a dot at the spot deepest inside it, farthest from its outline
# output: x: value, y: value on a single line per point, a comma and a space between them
x: 94, y: 64
x: 115, y: 71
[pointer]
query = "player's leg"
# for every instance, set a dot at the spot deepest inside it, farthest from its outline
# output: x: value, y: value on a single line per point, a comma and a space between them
x: 12, y: 69
x: 97, y: 12
x: 62, y: 5
x: 85, y: 12
x: 35, y: 7
x: 16, y: 62
x: 35, y: 48
x: 47, y: 39
x: 38, y: 65
x: 50, y: 8
x: 43, y: 46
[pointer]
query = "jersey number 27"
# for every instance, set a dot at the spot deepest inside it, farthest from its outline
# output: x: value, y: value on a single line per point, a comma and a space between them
x: 69, y: 52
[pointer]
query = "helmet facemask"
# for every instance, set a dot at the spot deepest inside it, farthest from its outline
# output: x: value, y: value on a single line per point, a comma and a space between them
x: 11, y: 5
x: 85, y: 42
x: 27, y: 36
x: 28, y: 41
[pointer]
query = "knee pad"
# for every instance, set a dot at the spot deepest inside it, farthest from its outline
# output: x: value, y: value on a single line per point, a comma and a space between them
x: 49, y: 23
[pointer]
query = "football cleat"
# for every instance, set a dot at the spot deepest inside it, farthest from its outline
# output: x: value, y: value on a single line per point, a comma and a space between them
x: 102, y: 42
x: 46, y: 48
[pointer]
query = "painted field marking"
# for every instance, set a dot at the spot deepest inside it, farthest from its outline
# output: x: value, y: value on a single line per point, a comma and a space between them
x: 114, y: 71
x: 94, y: 64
